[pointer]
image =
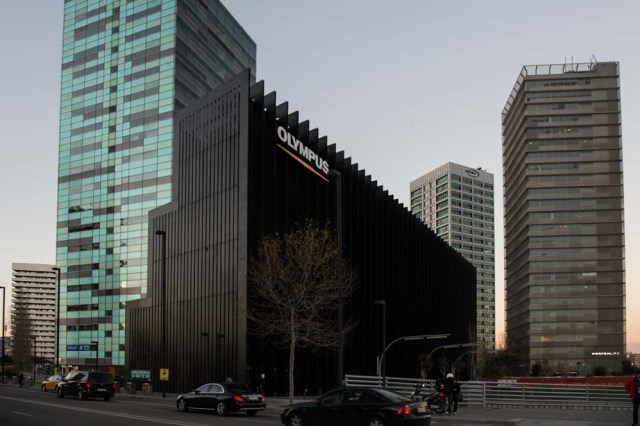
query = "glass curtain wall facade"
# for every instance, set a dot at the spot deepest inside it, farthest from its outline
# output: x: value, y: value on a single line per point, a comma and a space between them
x: 457, y: 203
x: 126, y: 68
x: 564, y: 223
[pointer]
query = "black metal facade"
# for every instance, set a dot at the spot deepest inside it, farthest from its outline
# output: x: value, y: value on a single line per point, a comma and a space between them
x: 234, y: 184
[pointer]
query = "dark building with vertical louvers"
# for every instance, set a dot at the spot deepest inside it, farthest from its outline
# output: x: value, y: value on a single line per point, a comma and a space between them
x: 244, y: 168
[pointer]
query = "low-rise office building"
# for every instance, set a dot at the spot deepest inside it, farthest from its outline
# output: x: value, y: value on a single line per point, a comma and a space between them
x: 244, y: 168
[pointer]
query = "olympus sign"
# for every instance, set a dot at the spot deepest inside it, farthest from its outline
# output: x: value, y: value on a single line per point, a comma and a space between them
x: 313, y: 162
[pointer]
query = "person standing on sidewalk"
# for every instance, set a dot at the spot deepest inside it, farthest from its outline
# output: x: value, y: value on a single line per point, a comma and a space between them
x: 449, y: 391
x: 633, y: 389
x: 456, y: 396
x: 20, y: 379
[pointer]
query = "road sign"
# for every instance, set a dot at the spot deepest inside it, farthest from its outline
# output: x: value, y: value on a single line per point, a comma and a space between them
x: 140, y: 375
x: 164, y: 374
x: 80, y: 348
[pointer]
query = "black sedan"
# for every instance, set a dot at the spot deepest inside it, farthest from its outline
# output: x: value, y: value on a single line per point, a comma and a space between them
x: 358, y: 406
x: 222, y: 398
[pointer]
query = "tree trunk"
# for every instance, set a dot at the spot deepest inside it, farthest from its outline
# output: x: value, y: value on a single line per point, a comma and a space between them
x: 292, y: 358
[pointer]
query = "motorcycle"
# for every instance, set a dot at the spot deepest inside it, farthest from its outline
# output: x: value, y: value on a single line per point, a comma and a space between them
x: 437, y: 401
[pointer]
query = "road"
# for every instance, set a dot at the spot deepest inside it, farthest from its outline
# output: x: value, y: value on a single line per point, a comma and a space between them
x: 29, y: 407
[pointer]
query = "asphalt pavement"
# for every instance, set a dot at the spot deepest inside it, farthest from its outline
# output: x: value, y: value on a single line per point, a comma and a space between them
x: 466, y: 415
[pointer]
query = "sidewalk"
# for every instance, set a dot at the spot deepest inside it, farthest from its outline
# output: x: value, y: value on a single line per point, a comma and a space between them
x: 537, y: 417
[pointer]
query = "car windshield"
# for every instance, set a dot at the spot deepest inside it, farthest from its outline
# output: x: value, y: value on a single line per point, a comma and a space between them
x: 71, y: 375
x: 100, y: 378
x: 392, y: 396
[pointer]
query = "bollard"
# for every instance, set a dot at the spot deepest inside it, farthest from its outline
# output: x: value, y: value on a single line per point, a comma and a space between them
x: 147, y: 389
x: 131, y: 388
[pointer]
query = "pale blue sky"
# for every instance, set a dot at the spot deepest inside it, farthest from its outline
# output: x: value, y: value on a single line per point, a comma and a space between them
x: 402, y: 86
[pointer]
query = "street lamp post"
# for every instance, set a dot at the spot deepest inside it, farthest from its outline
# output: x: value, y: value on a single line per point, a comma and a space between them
x: 408, y: 338
x: 454, y: 363
x: 163, y: 331
x: 56, y: 360
x: 219, y: 363
x: 205, y: 353
x: 95, y: 342
x: 338, y: 177
x: 455, y: 345
x: 383, y: 303
x: 4, y: 296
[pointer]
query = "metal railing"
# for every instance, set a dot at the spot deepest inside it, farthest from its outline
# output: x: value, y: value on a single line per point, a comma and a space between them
x: 506, y: 393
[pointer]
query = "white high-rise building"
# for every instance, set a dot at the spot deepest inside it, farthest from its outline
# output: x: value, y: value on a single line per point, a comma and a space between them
x: 457, y: 203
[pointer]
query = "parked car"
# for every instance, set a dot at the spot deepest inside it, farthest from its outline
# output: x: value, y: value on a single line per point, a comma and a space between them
x: 222, y: 398
x: 50, y: 383
x: 358, y: 406
x: 87, y: 384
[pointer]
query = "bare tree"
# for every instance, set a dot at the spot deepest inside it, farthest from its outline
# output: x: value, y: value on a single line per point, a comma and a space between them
x: 293, y: 291
x: 443, y: 364
x: 426, y: 364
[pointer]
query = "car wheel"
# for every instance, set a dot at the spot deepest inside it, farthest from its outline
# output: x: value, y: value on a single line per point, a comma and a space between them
x: 182, y: 406
x: 252, y: 413
x: 295, y: 420
x: 376, y: 422
x: 221, y: 409
x: 107, y: 398
x: 60, y: 393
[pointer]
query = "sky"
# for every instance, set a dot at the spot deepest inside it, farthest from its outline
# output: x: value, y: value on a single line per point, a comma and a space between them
x: 402, y: 86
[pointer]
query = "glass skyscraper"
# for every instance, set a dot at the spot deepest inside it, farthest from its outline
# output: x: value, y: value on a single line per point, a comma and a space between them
x: 564, y: 217
x: 127, y: 66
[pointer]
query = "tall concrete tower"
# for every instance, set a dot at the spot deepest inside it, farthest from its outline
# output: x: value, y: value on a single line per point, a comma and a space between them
x: 564, y: 223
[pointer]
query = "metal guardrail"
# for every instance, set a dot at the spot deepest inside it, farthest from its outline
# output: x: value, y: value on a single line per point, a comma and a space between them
x: 512, y: 394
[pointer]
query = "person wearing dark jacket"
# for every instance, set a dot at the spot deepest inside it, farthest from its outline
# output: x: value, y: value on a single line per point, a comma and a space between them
x: 450, y: 386
x: 456, y: 396
x: 633, y: 389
